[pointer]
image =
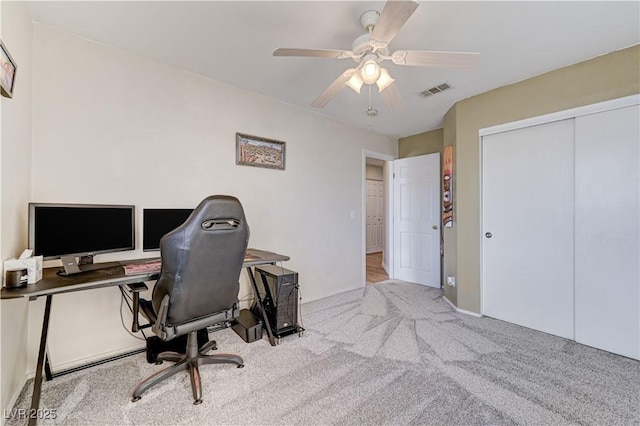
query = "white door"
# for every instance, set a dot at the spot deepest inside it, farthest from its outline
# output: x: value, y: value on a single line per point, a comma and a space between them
x: 607, y: 289
x: 375, y: 215
x: 416, y: 219
x: 527, y: 227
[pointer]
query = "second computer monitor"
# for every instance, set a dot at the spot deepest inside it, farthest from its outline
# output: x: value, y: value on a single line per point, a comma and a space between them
x: 158, y: 222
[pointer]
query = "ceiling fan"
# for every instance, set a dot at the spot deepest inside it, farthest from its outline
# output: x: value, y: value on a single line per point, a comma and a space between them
x: 371, y: 48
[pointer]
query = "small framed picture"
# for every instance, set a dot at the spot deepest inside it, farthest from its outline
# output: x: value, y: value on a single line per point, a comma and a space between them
x: 7, y: 72
x: 259, y: 152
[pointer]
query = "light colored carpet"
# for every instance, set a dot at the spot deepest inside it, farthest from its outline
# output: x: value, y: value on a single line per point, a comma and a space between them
x: 391, y: 353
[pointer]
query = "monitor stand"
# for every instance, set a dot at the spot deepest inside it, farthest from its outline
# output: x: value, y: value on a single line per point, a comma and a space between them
x: 71, y: 266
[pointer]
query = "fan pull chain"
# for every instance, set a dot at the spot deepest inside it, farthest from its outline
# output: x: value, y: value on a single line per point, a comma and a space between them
x: 369, y: 109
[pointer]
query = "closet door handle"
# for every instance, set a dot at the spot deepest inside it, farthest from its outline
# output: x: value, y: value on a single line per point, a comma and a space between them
x: 488, y: 234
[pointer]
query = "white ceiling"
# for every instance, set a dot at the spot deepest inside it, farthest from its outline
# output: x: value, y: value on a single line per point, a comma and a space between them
x: 233, y: 42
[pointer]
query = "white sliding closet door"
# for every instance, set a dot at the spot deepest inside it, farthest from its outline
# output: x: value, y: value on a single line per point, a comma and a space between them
x: 527, y: 211
x: 607, y: 231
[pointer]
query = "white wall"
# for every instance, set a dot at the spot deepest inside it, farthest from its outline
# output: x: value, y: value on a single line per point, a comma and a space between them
x: 15, y: 187
x: 112, y: 127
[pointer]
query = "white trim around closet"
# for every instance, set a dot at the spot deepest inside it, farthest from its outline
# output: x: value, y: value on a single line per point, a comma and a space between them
x: 562, y: 115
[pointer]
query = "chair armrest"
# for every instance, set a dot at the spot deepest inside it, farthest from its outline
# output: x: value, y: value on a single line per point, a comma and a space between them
x: 160, y: 325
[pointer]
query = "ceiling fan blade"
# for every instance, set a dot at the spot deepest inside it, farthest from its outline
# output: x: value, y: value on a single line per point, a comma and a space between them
x: 333, y: 89
x: 421, y: 58
x: 394, y: 15
x: 392, y: 98
x: 313, y: 53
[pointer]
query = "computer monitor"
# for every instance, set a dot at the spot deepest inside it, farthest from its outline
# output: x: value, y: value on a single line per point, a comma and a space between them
x: 67, y: 231
x: 158, y: 222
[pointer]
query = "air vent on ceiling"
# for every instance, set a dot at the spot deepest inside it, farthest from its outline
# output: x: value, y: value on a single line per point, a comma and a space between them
x: 435, y: 90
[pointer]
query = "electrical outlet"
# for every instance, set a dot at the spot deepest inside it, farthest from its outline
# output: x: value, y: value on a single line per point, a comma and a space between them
x: 451, y: 281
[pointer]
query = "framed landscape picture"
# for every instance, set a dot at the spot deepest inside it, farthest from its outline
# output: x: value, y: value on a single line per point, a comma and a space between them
x: 7, y: 72
x: 259, y: 152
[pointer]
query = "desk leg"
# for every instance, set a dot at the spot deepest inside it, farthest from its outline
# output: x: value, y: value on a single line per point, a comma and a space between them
x: 265, y: 320
x: 37, y: 382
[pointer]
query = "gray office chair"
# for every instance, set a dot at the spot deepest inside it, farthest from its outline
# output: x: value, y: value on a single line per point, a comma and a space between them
x: 198, y: 286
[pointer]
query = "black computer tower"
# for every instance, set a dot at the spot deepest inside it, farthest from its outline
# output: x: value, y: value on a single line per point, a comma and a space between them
x: 281, y: 297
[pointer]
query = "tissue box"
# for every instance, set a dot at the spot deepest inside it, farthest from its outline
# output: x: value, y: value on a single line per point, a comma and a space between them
x: 32, y: 264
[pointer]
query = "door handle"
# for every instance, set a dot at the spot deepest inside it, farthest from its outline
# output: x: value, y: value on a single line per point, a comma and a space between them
x: 488, y: 234
x: 434, y: 227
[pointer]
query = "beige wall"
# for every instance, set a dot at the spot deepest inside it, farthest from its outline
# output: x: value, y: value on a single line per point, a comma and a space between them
x: 420, y: 144
x: 603, y: 78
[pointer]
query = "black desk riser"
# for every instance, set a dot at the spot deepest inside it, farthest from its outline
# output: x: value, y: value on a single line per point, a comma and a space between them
x: 52, y: 283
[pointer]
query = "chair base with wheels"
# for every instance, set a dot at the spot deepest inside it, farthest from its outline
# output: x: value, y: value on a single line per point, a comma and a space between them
x: 193, y: 358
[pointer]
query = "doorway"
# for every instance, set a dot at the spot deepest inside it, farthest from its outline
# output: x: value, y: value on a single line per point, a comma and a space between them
x: 377, y: 237
x: 411, y: 237
x: 376, y: 220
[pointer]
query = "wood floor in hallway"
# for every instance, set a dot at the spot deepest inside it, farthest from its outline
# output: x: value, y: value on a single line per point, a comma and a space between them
x: 375, y: 271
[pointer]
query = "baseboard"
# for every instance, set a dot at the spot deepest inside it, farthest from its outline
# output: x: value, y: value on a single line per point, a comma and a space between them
x: 462, y: 311
x: 88, y: 360
x: 454, y: 307
x: 340, y: 291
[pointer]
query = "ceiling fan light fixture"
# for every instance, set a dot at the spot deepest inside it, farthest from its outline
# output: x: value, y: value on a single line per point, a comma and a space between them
x: 355, y: 82
x: 371, y: 48
x: 385, y: 80
x: 370, y: 71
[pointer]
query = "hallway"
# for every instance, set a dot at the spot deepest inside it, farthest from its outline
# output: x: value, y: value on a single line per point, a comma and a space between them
x: 375, y: 271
